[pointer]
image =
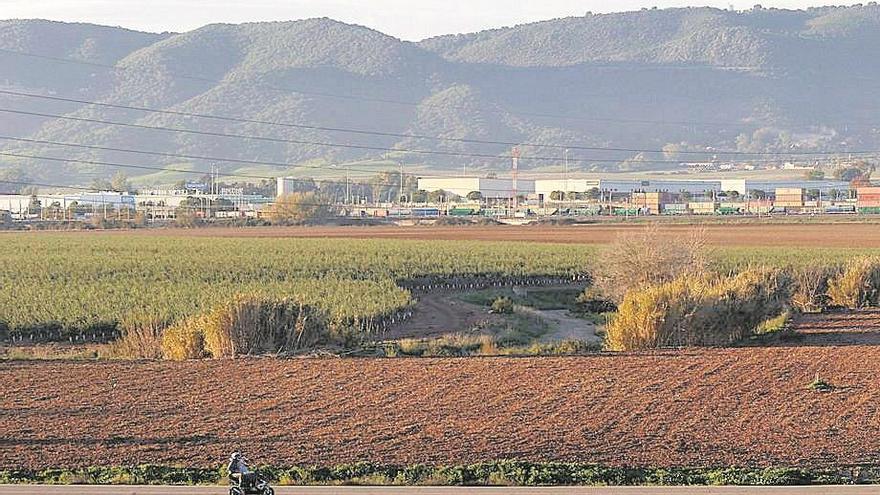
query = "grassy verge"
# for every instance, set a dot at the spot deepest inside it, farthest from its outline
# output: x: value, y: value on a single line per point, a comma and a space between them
x: 541, y: 298
x: 501, y: 473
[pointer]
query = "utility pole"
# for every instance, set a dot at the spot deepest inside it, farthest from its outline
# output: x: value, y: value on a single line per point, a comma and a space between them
x: 400, y: 196
x: 347, y: 185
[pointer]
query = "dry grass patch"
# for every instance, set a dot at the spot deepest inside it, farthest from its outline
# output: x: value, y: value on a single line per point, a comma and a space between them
x: 697, y: 311
x: 648, y: 258
x: 858, y: 285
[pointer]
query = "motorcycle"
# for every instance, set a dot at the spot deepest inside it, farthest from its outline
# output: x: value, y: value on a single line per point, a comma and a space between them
x: 250, y: 484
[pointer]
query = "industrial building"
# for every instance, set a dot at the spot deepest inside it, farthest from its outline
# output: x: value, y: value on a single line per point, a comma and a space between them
x: 19, y: 203
x: 488, y: 188
x: 743, y: 186
x: 626, y: 186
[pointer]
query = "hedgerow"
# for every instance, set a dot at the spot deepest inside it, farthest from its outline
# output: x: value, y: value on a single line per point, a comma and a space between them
x: 505, y: 472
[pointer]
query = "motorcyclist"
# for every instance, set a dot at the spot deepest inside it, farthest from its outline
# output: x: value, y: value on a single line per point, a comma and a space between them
x: 238, y: 470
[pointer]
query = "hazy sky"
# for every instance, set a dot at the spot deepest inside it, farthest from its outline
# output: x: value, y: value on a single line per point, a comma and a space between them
x: 407, y: 19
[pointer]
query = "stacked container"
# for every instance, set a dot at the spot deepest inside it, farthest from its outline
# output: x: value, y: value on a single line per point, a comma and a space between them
x: 789, y: 198
x: 868, y: 199
x: 652, y: 201
x: 703, y: 207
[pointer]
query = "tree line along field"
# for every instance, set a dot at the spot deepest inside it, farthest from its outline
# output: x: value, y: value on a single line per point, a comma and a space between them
x: 86, y: 284
x: 73, y: 284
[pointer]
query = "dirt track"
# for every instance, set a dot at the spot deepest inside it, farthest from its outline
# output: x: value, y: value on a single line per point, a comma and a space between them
x: 723, y: 407
x: 437, y: 314
x: 731, y: 234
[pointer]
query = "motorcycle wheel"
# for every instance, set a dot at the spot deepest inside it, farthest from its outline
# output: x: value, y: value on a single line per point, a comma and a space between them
x: 268, y: 491
x: 236, y: 491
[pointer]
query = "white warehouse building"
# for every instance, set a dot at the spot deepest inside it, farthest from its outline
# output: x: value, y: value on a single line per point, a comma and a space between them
x: 696, y: 187
x: 489, y: 188
x: 769, y: 186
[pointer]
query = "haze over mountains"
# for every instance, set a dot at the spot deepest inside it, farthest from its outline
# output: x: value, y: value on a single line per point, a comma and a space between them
x: 763, y: 80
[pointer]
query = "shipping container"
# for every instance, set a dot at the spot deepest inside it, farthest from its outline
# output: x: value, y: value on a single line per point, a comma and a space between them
x: 626, y: 212
x: 463, y: 212
x: 789, y: 191
x: 840, y: 209
x: 425, y: 212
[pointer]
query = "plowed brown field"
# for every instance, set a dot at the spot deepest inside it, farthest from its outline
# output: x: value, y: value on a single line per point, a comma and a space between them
x: 723, y: 234
x: 714, y: 407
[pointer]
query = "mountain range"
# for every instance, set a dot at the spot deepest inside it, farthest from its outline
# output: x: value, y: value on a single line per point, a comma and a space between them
x: 688, y: 81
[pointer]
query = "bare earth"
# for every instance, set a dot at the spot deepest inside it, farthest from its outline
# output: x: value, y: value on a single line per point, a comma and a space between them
x: 726, y: 234
x: 438, y: 314
x: 708, y: 407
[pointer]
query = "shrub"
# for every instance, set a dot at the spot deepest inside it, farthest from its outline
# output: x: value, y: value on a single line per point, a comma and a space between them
x: 141, y: 339
x: 592, y: 301
x: 858, y: 286
x: 732, y: 308
x: 696, y: 311
x: 502, y: 305
x: 820, y: 385
x: 654, y: 317
x: 644, y: 258
x: 183, y: 340
x: 254, y: 325
x: 811, y: 284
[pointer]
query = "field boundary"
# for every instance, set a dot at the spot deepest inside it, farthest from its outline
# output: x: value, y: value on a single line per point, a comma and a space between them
x: 498, y: 473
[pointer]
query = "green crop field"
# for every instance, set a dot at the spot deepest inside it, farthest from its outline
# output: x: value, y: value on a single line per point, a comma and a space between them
x: 73, y: 283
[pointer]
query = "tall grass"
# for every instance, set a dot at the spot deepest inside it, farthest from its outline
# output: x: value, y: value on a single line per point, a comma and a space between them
x: 858, y: 285
x: 247, y: 324
x: 141, y: 338
x: 698, y: 311
x: 811, y: 287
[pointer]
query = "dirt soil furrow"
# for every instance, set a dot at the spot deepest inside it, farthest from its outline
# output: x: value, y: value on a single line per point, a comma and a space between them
x: 711, y: 407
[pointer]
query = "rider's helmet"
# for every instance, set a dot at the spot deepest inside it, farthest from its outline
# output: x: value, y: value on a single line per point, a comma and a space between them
x: 235, y: 456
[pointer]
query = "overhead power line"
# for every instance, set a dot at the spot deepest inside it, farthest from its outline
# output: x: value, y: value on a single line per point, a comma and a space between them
x: 264, y: 163
x: 351, y: 181
x: 354, y: 97
x: 429, y: 152
x: 348, y: 130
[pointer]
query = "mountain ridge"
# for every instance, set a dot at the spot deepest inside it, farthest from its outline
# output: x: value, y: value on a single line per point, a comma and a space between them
x: 775, y: 81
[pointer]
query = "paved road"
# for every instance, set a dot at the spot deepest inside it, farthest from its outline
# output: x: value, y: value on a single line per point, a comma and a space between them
x: 332, y: 490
